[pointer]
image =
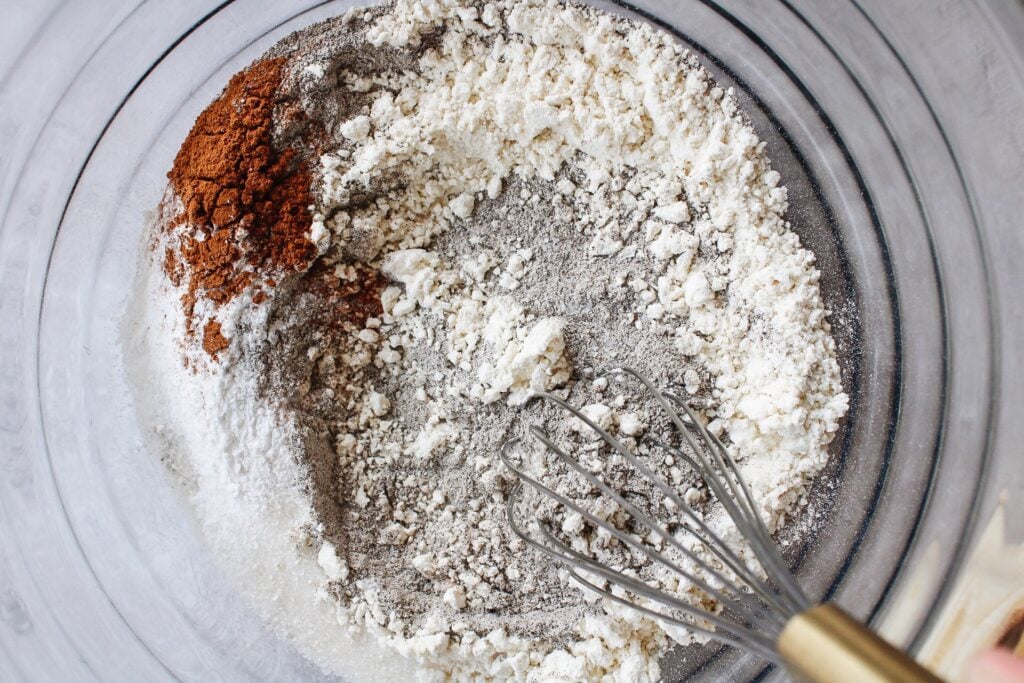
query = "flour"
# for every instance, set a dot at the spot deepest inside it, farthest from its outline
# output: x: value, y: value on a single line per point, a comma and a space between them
x: 526, y: 358
x: 522, y: 368
x: 532, y: 191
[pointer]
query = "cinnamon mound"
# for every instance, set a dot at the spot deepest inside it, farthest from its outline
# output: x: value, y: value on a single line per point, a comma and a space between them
x: 246, y: 204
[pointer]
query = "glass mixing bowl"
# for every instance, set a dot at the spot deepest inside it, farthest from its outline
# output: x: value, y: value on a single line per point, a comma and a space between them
x: 102, y: 575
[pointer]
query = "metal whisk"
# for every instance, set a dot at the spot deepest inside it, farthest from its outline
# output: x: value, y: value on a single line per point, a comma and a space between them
x: 762, y: 610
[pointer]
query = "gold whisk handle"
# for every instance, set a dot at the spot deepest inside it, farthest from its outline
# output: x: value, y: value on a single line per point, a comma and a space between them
x: 827, y: 645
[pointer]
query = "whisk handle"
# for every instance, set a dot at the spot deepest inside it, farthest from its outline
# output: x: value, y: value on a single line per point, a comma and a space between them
x: 827, y: 645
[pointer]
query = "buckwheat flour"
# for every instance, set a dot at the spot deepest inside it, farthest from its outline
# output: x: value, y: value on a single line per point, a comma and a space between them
x: 504, y: 198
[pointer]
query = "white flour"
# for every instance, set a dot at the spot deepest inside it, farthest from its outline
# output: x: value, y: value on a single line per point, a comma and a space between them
x: 606, y: 130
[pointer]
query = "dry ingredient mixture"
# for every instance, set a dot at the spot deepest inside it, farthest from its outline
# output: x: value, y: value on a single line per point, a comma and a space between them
x: 384, y: 237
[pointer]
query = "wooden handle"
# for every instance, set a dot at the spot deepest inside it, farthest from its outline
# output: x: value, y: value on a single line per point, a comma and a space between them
x: 827, y: 645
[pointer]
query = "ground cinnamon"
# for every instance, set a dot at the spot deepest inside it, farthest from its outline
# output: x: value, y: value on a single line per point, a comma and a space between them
x: 246, y: 204
x: 214, y: 340
x: 349, y: 302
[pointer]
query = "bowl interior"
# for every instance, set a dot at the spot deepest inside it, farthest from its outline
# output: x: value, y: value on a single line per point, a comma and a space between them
x: 880, y: 210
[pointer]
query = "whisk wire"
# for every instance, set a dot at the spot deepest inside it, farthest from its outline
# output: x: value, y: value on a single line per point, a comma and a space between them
x: 737, y: 501
x: 714, y: 544
x: 707, y: 470
x: 753, y: 609
x: 626, y: 539
x: 717, y: 547
x: 750, y: 523
x: 638, y: 587
x: 573, y: 559
x: 761, y: 646
x: 742, y: 596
